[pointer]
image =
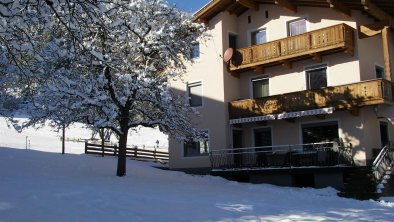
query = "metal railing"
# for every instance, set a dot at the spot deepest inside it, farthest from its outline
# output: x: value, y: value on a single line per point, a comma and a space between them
x: 296, y: 155
x: 383, y: 162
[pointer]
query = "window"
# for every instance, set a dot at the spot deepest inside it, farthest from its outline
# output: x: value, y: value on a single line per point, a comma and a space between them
x: 259, y: 37
x: 262, y: 137
x: 195, y: 53
x: 380, y: 74
x: 384, y: 134
x: 296, y: 27
x: 316, y: 77
x: 320, y: 132
x: 232, y: 41
x: 194, y: 91
x: 260, y: 87
x: 196, y: 148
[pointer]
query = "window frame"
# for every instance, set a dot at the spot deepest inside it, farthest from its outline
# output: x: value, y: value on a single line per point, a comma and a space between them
x: 264, y: 128
x: 288, y: 23
x: 195, y: 54
x: 311, y: 68
x: 207, y: 140
x: 252, y: 34
x: 318, y: 123
x: 258, y: 78
x: 189, y: 85
x: 231, y: 34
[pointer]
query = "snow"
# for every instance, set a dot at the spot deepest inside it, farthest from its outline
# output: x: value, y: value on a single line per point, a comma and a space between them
x: 42, y: 185
x: 45, y: 139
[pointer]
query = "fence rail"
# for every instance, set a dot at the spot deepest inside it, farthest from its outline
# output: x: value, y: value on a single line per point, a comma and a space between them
x: 296, y: 155
x: 131, y: 152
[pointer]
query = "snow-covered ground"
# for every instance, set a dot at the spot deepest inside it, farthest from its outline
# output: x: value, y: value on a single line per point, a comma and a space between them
x: 38, y: 185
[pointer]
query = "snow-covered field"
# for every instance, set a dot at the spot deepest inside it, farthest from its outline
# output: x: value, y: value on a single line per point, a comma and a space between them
x: 46, y: 139
x: 38, y: 185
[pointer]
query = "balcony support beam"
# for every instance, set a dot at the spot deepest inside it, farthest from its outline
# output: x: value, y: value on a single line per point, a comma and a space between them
x: 259, y: 69
x: 287, y: 64
x: 249, y: 4
x: 286, y: 4
x: 316, y: 57
x: 232, y: 8
x: 386, y: 37
x: 340, y: 7
x: 354, y: 111
x: 372, y: 29
x: 377, y: 12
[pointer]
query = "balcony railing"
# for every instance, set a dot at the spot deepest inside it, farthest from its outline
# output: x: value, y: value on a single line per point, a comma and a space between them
x: 299, y: 155
x: 332, y: 39
x: 349, y: 96
x: 383, y: 162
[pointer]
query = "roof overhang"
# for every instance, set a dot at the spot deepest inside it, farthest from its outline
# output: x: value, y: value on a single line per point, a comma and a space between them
x: 380, y: 10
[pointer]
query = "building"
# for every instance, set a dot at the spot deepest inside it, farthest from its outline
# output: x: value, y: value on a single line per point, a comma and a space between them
x: 306, y: 91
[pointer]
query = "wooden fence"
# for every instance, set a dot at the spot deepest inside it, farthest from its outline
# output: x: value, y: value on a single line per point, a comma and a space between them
x: 131, y: 152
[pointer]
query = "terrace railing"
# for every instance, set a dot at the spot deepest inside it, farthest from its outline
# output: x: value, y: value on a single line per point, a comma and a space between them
x: 296, y: 155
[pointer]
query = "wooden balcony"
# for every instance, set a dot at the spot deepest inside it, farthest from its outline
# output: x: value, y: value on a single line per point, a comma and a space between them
x: 338, y: 38
x: 349, y: 96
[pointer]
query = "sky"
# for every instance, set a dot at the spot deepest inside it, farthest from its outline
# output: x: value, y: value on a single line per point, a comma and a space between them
x: 189, y: 5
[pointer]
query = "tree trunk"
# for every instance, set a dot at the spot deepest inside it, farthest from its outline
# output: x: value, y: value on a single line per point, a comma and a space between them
x: 102, y: 141
x: 121, y: 170
x: 63, y: 139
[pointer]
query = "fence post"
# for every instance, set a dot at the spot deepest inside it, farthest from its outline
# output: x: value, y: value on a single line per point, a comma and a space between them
x: 154, y: 154
x: 290, y: 155
x: 102, y: 148
x: 115, y: 149
x: 135, y: 151
x: 86, y: 147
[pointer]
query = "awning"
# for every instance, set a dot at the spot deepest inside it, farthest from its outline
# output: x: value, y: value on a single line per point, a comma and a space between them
x: 311, y: 112
x: 252, y: 119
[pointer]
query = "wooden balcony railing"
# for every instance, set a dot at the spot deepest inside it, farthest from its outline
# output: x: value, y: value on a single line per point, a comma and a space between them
x: 328, y: 40
x: 370, y: 92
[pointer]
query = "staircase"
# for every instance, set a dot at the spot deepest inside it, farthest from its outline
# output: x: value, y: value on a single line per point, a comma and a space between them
x: 386, y: 186
x: 383, y: 168
x: 359, y: 183
x: 371, y: 182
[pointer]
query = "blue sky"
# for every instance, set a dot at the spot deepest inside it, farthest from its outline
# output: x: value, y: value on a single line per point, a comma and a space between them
x: 189, y: 5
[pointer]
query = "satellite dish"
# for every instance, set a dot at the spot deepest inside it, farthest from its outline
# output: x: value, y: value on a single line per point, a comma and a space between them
x: 228, y: 55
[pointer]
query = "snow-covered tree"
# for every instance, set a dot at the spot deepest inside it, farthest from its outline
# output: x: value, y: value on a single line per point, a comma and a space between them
x: 104, y: 63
